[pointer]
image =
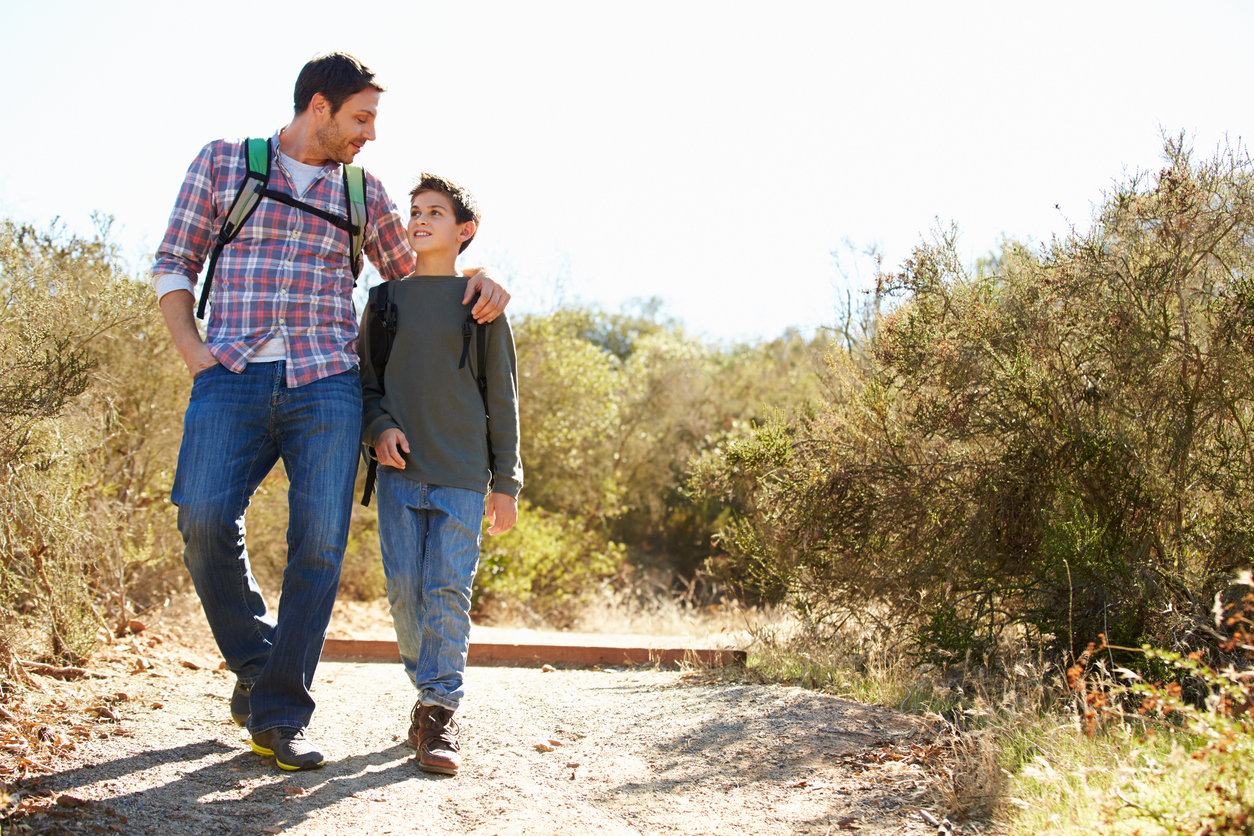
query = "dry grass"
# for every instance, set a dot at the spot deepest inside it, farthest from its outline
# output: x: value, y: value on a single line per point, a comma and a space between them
x: 728, y: 624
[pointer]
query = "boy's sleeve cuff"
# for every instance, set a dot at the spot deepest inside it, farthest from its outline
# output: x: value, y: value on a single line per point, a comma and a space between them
x: 376, y: 428
x: 509, y: 487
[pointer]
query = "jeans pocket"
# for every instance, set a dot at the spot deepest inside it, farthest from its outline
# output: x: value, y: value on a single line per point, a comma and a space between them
x: 201, y: 373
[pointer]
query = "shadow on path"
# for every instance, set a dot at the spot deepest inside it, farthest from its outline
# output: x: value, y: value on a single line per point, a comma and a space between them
x: 202, y: 786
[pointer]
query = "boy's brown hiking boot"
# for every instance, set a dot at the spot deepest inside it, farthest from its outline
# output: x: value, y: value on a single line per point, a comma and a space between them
x: 433, y: 732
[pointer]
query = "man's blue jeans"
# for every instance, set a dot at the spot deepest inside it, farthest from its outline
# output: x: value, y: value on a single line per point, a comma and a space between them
x: 236, y: 427
x: 429, y: 536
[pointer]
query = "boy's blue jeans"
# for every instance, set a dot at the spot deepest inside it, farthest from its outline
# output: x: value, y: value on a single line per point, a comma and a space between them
x: 429, y: 536
x: 236, y: 427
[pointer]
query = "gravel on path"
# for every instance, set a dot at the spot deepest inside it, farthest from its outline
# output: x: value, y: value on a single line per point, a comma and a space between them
x: 629, y: 751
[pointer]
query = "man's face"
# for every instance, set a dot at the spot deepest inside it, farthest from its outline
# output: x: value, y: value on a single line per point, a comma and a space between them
x: 345, y: 132
x: 433, y: 226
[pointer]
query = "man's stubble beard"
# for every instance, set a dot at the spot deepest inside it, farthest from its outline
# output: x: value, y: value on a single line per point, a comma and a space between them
x: 335, y: 144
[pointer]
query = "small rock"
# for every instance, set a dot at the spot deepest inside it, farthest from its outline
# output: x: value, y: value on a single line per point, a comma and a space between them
x: 292, y: 789
x: 122, y: 696
x: 71, y: 801
x: 104, y: 712
x: 547, y: 669
x: 222, y: 665
x: 188, y: 663
x: 136, y: 626
x: 543, y: 747
x: 573, y: 765
x: 553, y: 742
x: 158, y: 704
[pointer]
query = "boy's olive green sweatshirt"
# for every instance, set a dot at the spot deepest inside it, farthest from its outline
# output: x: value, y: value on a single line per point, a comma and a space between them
x: 436, y: 404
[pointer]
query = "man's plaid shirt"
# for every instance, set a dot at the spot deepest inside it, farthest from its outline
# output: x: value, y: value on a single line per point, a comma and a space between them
x: 287, y: 271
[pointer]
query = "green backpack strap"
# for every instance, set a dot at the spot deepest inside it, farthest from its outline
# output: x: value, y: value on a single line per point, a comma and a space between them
x: 355, y: 199
x: 258, y: 154
x: 257, y: 158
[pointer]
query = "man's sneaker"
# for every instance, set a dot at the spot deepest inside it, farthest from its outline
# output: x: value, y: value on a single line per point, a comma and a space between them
x: 289, y: 748
x: 433, y: 733
x: 239, y: 704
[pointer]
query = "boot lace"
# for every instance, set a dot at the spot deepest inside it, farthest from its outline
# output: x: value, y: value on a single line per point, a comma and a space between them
x: 440, y: 729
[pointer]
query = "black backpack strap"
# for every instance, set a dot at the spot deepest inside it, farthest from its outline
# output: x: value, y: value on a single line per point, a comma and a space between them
x: 382, y: 325
x: 257, y: 156
x: 372, y: 470
x: 480, y: 371
x: 481, y: 352
x: 382, y: 329
x: 466, y: 328
x: 354, y: 223
x: 481, y: 349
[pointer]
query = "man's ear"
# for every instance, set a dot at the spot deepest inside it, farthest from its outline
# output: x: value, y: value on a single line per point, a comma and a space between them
x: 467, y: 231
x: 319, y: 106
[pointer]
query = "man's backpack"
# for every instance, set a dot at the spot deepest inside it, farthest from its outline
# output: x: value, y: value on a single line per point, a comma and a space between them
x: 381, y: 324
x: 257, y: 156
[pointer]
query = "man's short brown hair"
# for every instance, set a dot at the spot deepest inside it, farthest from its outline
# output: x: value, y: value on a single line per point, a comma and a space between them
x: 464, y: 206
x: 336, y: 75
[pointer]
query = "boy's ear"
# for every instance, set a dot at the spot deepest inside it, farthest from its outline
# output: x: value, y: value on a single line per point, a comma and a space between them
x: 467, y: 231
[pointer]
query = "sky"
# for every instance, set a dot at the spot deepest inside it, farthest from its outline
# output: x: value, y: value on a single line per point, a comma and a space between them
x: 712, y: 154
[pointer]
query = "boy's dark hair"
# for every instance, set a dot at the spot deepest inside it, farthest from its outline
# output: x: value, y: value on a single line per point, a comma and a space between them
x: 336, y: 75
x: 464, y: 206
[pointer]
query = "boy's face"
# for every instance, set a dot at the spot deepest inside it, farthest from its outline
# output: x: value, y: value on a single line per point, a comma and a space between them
x: 433, y: 226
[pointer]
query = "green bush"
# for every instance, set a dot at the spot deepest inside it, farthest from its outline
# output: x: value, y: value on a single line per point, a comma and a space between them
x: 88, y: 430
x: 617, y: 407
x: 545, y: 567
x: 1057, y: 440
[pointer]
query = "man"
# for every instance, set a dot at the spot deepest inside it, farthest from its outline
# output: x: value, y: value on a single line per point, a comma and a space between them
x: 276, y: 378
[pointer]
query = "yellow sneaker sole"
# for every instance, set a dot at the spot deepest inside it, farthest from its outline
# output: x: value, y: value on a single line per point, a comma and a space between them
x: 269, y: 753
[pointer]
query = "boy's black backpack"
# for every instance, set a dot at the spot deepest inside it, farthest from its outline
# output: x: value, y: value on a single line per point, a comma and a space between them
x: 257, y: 156
x: 382, y: 330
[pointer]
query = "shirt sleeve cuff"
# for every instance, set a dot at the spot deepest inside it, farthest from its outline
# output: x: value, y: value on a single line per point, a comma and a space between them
x: 506, y: 485
x: 167, y: 282
x: 376, y: 428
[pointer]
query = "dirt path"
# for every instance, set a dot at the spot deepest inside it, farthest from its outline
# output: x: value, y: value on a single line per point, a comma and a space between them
x: 633, y: 752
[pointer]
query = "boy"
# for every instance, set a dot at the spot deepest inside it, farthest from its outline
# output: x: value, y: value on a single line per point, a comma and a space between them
x: 425, y: 417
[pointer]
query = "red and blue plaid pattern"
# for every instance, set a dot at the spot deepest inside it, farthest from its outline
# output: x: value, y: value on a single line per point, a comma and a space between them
x: 287, y: 270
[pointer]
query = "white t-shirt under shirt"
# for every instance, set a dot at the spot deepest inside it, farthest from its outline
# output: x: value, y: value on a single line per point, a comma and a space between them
x: 273, y: 349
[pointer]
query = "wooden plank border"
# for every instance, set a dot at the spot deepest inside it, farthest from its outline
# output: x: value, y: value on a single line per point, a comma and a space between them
x: 541, y: 654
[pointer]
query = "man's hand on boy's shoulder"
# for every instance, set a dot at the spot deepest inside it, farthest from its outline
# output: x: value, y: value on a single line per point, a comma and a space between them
x: 502, y: 512
x: 492, y: 297
x: 388, y: 446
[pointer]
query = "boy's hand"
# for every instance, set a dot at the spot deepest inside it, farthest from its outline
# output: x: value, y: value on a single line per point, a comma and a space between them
x: 492, y: 297
x: 388, y: 446
x: 502, y: 512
